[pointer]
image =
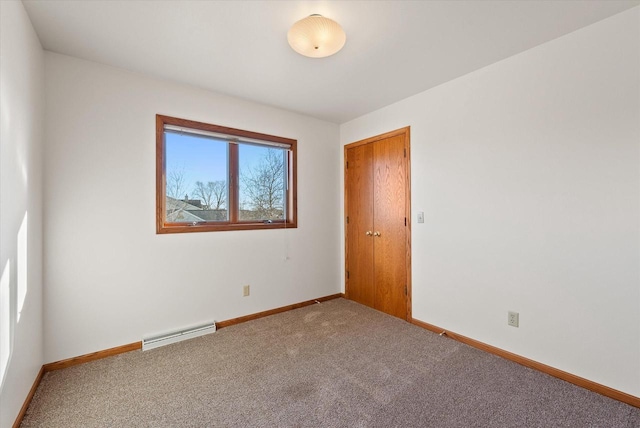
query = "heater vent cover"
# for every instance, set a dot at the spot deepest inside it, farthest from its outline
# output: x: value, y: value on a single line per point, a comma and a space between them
x: 177, y: 336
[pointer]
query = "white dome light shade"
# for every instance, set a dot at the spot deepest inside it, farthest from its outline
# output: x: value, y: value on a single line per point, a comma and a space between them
x: 316, y: 36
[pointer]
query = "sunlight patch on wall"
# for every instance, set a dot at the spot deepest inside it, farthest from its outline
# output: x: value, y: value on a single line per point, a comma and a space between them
x: 5, y: 320
x: 22, y: 264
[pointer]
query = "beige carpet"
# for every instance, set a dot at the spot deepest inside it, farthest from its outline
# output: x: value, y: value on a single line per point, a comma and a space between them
x: 335, y: 364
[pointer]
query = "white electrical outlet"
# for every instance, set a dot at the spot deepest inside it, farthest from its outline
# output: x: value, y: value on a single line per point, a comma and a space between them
x: 245, y: 291
x: 513, y: 319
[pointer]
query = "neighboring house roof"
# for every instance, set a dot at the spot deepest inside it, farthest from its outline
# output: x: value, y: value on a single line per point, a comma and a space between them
x: 181, y: 216
x: 181, y: 211
x: 210, y: 215
x: 177, y: 204
x: 189, y: 211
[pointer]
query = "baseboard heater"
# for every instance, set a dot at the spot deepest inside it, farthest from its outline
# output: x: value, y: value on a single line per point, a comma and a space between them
x: 177, y: 336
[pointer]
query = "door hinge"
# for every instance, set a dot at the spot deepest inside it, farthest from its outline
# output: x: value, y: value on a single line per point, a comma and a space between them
x: 405, y: 290
x: 347, y: 274
x: 405, y: 152
x: 405, y: 221
x: 347, y: 219
x: 347, y: 165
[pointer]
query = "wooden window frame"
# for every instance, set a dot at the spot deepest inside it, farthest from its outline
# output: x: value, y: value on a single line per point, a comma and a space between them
x: 163, y: 226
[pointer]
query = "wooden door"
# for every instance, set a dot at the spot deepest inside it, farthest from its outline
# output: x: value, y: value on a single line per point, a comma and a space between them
x: 389, y: 224
x: 360, y: 224
x: 377, y: 226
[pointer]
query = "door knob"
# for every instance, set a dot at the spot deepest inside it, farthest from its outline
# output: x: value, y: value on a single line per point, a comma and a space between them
x: 376, y: 234
x: 368, y: 233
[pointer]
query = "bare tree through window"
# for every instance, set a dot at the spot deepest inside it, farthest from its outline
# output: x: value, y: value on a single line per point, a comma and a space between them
x: 177, y: 183
x: 263, y: 187
x: 213, y: 194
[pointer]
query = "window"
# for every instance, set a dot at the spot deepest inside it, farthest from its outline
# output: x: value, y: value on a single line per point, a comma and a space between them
x: 213, y: 178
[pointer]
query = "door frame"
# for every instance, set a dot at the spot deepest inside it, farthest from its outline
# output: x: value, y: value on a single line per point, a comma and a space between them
x: 406, y: 131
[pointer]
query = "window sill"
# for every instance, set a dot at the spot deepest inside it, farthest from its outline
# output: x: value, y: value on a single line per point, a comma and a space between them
x: 208, y: 227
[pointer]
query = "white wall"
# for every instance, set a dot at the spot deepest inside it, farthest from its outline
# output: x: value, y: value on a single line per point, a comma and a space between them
x: 109, y: 278
x: 21, y: 126
x: 528, y: 172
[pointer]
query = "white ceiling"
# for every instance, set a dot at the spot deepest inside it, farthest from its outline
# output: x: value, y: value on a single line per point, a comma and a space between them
x: 394, y: 49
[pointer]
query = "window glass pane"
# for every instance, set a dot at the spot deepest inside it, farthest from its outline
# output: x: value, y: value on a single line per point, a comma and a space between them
x: 262, y: 187
x: 196, y: 174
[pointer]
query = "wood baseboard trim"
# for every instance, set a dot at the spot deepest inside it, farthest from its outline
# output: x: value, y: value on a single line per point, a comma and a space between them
x: 27, y: 401
x: 74, y: 361
x: 227, y: 323
x: 552, y: 371
x: 81, y: 359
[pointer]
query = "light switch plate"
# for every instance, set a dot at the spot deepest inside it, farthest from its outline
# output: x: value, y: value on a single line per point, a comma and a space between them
x: 420, y: 216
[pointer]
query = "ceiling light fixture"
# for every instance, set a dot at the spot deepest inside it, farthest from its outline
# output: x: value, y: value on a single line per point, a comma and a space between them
x: 316, y: 36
